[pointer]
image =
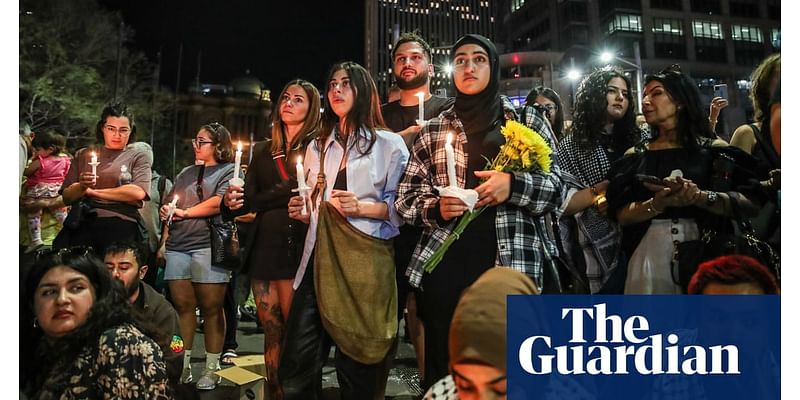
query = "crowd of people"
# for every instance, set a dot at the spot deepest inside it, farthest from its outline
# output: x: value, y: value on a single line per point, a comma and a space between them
x: 348, y: 205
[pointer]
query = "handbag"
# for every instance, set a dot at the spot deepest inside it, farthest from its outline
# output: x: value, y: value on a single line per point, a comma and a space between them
x: 714, y: 243
x: 225, y: 249
x: 355, y: 284
x: 354, y: 279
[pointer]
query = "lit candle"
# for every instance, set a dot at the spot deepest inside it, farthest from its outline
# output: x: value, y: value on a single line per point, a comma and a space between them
x: 421, y: 97
x: 451, y: 161
x: 302, y: 188
x: 94, y: 164
x: 171, y: 209
x: 236, y: 180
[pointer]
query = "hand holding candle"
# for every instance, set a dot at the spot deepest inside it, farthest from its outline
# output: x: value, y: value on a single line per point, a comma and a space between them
x: 172, y: 206
x: 236, y: 180
x: 94, y: 164
x: 451, y: 161
x: 421, y: 119
x: 302, y: 188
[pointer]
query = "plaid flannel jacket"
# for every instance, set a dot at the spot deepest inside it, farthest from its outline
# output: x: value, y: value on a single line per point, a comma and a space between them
x: 523, y: 242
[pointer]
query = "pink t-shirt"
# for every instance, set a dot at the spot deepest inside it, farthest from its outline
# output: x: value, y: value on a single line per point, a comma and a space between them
x: 53, y: 169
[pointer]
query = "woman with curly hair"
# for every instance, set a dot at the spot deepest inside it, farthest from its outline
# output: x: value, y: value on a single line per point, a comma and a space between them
x: 85, y: 341
x: 603, y: 127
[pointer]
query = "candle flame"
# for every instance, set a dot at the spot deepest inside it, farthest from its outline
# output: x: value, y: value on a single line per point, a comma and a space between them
x: 175, y: 199
x: 239, y: 146
x: 299, y: 159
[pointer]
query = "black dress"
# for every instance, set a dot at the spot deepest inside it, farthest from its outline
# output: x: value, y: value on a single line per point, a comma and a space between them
x: 275, y: 244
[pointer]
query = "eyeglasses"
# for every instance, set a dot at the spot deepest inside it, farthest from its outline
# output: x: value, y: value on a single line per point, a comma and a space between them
x: 199, y: 143
x: 124, y: 132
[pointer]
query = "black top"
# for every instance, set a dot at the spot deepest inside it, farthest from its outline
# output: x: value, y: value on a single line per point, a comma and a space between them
x: 399, y: 117
x: 341, y: 180
x: 733, y: 172
x: 274, y: 246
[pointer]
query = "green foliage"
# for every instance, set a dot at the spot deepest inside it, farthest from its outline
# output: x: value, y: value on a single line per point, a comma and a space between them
x: 68, y: 70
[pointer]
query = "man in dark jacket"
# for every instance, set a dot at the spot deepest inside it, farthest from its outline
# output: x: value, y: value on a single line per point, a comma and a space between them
x: 126, y: 263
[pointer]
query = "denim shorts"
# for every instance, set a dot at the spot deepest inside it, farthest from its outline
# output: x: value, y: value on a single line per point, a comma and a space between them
x: 194, y: 265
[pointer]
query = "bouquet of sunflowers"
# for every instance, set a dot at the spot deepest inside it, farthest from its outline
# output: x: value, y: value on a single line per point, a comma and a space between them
x: 524, y: 150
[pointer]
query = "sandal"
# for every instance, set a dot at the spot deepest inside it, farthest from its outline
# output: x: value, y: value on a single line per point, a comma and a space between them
x: 227, y: 357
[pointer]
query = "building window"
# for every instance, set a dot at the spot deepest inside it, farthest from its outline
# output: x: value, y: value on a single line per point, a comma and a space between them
x: 625, y: 22
x: 744, y: 8
x: 516, y: 5
x: 609, y: 6
x: 668, y: 38
x: 776, y: 39
x: 667, y: 4
x: 573, y: 11
x: 707, y: 29
x: 576, y: 35
x: 746, y: 33
x: 667, y: 26
x: 711, y: 50
x: 710, y: 7
x: 748, y: 54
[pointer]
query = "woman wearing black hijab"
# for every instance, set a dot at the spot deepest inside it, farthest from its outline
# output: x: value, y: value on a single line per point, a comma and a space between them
x: 510, y: 232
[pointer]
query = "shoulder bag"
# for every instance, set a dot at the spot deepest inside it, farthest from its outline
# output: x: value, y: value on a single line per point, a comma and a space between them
x: 225, y: 249
x: 355, y: 284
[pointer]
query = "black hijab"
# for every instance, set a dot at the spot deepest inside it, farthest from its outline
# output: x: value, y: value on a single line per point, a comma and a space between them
x: 483, y: 111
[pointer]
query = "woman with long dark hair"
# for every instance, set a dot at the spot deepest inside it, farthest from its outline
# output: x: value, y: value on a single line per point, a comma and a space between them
x: 193, y: 280
x: 603, y: 128
x: 273, y: 251
x: 355, y: 165
x: 550, y: 101
x: 689, y: 191
x: 84, y: 343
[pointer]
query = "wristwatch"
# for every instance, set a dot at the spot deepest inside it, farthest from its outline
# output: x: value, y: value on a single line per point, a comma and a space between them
x: 711, y: 198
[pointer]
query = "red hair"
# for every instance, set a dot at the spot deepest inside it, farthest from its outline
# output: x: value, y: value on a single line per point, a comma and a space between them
x: 731, y: 270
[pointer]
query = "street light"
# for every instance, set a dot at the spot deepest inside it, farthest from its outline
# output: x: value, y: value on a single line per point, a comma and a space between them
x: 573, y: 74
x: 608, y: 56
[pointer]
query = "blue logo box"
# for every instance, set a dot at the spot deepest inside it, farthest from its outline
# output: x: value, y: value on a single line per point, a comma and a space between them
x: 644, y: 347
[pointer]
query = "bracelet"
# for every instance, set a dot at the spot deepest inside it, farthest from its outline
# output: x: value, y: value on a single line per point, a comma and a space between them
x: 713, y: 121
x: 651, y: 207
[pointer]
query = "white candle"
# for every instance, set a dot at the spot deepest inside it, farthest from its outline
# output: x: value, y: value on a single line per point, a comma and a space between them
x: 237, y: 160
x: 171, y: 209
x: 302, y: 188
x: 451, y: 161
x: 421, y: 97
x: 94, y: 163
x: 236, y: 180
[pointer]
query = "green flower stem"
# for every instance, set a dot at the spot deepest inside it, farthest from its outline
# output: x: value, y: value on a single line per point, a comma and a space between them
x: 437, y: 256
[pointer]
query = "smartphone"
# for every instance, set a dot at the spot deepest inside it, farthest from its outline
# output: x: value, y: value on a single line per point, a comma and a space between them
x: 721, y: 90
x: 650, y: 179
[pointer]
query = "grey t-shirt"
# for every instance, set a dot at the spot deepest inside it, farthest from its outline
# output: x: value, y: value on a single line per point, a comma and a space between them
x: 192, y: 233
x: 108, y: 173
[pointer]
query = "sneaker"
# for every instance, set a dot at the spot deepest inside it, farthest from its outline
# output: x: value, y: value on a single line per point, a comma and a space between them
x: 186, y: 376
x: 209, y: 380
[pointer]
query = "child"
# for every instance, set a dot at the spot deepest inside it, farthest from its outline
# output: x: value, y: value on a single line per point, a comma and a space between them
x: 45, y: 176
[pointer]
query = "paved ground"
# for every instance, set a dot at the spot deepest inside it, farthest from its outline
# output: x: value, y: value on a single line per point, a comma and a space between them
x: 403, y: 381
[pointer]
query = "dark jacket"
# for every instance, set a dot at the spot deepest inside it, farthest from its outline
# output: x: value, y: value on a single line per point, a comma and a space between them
x: 156, y: 311
x: 267, y: 194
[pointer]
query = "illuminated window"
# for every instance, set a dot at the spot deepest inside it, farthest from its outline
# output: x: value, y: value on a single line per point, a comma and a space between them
x: 625, y: 22
x: 707, y: 29
x: 667, y: 26
x: 746, y: 33
x: 516, y: 5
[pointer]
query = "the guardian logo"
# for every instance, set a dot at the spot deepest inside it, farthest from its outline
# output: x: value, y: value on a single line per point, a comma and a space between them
x: 629, y: 349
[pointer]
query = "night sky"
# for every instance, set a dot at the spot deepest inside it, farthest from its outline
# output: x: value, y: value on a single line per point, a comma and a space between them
x: 276, y: 40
